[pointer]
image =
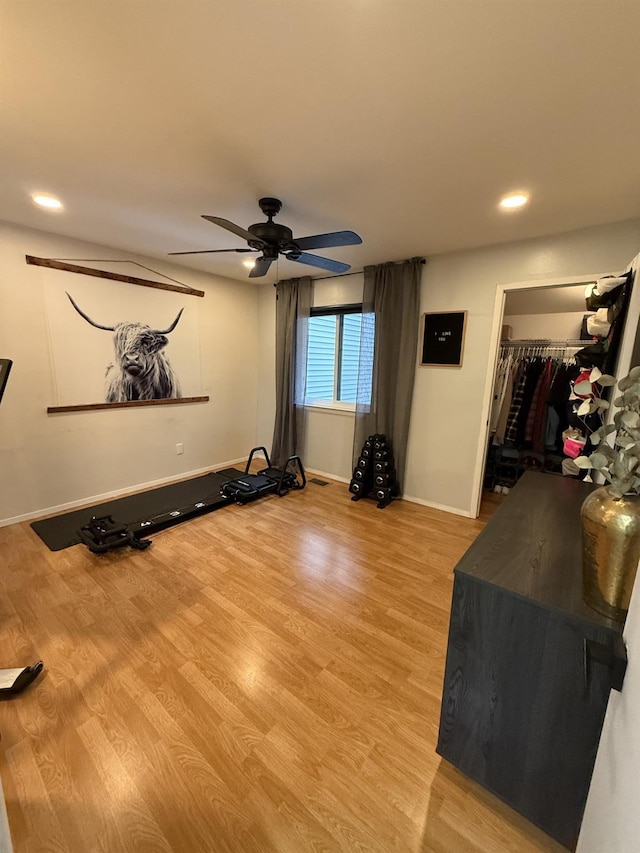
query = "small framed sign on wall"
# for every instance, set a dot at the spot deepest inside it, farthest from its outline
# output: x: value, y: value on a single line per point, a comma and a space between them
x: 443, y: 338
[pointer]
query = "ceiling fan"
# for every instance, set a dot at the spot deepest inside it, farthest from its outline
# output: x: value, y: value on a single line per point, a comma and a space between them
x: 273, y: 239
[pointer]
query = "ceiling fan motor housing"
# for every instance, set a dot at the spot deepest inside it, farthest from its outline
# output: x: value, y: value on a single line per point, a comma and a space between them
x: 270, y: 232
x: 275, y: 235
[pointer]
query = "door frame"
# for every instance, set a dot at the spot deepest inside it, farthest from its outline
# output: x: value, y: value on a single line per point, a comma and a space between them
x: 624, y: 355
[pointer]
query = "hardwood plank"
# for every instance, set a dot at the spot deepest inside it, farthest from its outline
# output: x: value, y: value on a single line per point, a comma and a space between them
x: 265, y: 678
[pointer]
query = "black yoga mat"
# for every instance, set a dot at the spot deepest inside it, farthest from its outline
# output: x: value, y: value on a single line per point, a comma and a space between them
x: 61, y: 531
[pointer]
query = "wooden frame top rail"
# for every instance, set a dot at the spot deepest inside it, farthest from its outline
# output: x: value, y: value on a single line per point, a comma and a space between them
x: 114, y: 276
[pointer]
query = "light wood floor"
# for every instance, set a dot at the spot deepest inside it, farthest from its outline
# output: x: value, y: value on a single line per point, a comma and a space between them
x: 264, y: 678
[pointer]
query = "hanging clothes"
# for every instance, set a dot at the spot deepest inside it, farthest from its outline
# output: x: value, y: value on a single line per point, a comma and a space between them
x: 530, y: 410
x: 500, y: 390
x: 505, y: 404
x: 533, y: 375
x: 532, y: 384
x: 537, y: 437
x: 511, y: 432
x: 558, y: 401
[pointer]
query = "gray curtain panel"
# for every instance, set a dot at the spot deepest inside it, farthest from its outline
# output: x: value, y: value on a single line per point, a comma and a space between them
x: 293, y: 308
x: 388, y: 353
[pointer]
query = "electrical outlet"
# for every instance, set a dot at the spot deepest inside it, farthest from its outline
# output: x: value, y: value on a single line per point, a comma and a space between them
x: 179, y: 448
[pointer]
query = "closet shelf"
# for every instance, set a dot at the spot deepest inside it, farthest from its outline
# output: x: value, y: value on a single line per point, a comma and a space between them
x: 545, y: 342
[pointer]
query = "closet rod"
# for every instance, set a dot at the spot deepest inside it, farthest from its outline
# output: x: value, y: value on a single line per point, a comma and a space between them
x: 545, y: 342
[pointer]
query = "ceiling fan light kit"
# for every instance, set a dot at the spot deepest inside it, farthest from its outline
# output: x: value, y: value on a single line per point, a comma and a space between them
x: 273, y: 239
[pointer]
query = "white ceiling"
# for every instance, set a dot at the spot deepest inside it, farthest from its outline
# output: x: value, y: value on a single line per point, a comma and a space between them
x: 404, y: 120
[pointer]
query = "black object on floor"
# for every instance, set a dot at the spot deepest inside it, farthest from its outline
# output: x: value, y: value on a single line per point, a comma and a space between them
x: 375, y: 474
x: 290, y: 476
x: 250, y: 487
x: 155, y: 508
x: 105, y: 534
x: 14, y: 681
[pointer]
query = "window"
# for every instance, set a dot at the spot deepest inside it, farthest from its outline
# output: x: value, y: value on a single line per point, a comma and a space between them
x: 333, y: 355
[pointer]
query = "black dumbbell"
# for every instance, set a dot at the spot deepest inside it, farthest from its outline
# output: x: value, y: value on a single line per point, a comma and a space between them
x: 384, y: 479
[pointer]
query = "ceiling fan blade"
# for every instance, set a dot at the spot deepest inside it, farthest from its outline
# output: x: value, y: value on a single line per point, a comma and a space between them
x: 231, y: 226
x: 326, y: 241
x: 261, y: 268
x: 318, y: 261
x: 210, y: 251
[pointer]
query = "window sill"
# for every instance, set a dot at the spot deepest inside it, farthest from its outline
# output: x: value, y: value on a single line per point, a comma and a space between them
x: 332, y: 406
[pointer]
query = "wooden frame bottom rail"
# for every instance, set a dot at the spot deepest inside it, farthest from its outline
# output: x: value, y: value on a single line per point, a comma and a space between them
x: 130, y: 404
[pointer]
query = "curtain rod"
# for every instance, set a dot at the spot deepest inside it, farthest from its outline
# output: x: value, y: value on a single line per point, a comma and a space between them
x: 339, y: 275
x: 353, y: 272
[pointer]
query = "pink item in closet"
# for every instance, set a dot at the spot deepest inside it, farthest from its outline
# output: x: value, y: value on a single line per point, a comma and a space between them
x: 573, y: 448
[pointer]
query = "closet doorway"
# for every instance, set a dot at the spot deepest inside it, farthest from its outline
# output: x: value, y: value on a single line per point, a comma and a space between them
x: 544, y: 311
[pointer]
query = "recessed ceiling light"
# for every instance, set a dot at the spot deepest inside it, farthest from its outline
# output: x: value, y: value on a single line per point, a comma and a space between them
x: 48, y: 202
x: 249, y: 263
x: 513, y: 201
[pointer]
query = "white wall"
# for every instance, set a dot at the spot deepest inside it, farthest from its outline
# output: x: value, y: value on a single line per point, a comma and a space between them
x: 48, y: 461
x: 611, y: 821
x: 447, y: 404
x: 329, y: 442
x: 555, y: 326
x: 338, y: 290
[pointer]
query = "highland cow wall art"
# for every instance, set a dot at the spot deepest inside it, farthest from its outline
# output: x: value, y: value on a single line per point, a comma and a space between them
x: 116, y: 343
x: 140, y: 370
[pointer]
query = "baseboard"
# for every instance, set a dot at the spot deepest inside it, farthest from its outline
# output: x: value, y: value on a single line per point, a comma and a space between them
x: 430, y: 504
x: 317, y: 473
x: 106, y: 496
x: 442, y: 507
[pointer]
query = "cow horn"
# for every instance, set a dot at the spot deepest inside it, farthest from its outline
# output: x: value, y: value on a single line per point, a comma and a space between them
x: 172, y: 326
x: 88, y: 319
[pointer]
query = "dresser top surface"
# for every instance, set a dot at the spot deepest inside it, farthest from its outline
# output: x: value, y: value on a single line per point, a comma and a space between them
x: 533, y: 545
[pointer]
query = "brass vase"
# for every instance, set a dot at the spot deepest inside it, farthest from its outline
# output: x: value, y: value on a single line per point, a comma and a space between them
x: 610, y: 551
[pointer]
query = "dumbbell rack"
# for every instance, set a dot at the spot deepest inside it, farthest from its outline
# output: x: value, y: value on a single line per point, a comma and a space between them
x: 375, y: 474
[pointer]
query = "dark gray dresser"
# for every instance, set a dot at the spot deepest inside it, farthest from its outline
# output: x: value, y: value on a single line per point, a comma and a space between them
x: 529, y: 665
